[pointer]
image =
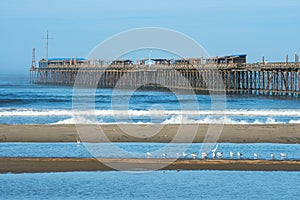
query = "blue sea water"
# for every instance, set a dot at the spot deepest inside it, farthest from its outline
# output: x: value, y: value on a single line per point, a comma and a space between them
x: 25, y: 103
x: 208, y: 185
x: 139, y: 150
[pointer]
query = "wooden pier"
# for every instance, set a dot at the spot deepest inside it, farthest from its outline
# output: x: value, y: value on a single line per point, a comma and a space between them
x: 271, y: 79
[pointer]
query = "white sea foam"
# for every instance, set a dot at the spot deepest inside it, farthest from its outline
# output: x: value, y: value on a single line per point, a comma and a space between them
x: 294, y: 122
x: 223, y: 120
x: 229, y: 112
x: 79, y: 120
x: 229, y: 116
x: 179, y: 119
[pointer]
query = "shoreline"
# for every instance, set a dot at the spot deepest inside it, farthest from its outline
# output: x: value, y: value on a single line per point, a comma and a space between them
x: 42, y: 165
x: 245, y: 133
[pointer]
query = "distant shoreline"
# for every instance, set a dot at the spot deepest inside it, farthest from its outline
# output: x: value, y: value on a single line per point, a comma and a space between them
x: 247, y: 133
x: 38, y: 165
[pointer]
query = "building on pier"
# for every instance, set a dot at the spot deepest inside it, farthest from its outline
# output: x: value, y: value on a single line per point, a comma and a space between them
x: 62, y: 62
x: 231, y: 59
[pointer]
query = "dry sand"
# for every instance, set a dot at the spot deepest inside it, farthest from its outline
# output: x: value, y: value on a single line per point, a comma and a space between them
x: 279, y: 133
x: 26, y: 165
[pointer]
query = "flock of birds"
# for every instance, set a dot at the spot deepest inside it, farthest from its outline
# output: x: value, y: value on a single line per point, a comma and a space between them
x: 215, y: 154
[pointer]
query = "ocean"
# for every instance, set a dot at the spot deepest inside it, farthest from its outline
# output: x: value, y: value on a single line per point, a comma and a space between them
x: 24, y: 103
x: 206, y: 185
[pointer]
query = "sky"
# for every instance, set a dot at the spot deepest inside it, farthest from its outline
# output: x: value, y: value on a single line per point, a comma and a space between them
x: 269, y: 28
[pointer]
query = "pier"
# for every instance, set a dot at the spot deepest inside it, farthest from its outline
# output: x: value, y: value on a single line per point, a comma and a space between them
x: 229, y: 74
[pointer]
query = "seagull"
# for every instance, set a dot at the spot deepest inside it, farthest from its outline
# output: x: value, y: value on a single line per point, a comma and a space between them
x: 215, y: 149
x: 164, y: 155
x: 78, y: 141
x: 213, y: 155
x: 283, y: 155
x: 149, y: 155
x: 194, y: 155
x: 239, y: 154
x: 231, y: 154
x: 255, y: 155
x: 219, y: 154
x: 184, y: 154
x: 178, y: 155
x: 273, y: 156
x: 203, y: 155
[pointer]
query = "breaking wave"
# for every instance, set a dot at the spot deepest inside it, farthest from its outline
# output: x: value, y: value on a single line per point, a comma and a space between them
x: 229, y: 112
x: 182, y: 120
x: 230, y: 116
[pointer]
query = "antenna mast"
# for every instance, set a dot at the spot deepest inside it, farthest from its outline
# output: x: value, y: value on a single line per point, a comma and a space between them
x: 47, y: 44
x: 33, y: 64
x: 47, y: 40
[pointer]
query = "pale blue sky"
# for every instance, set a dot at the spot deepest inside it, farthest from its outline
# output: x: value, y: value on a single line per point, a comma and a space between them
x: 256, y: 27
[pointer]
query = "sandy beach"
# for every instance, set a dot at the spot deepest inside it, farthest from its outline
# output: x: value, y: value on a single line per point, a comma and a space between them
x: 26, y: 165
x: 268, y: 133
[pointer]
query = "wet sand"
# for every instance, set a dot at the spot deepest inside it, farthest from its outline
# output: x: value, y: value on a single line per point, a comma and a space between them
x: 277, y: 133
x: 33, y: 165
